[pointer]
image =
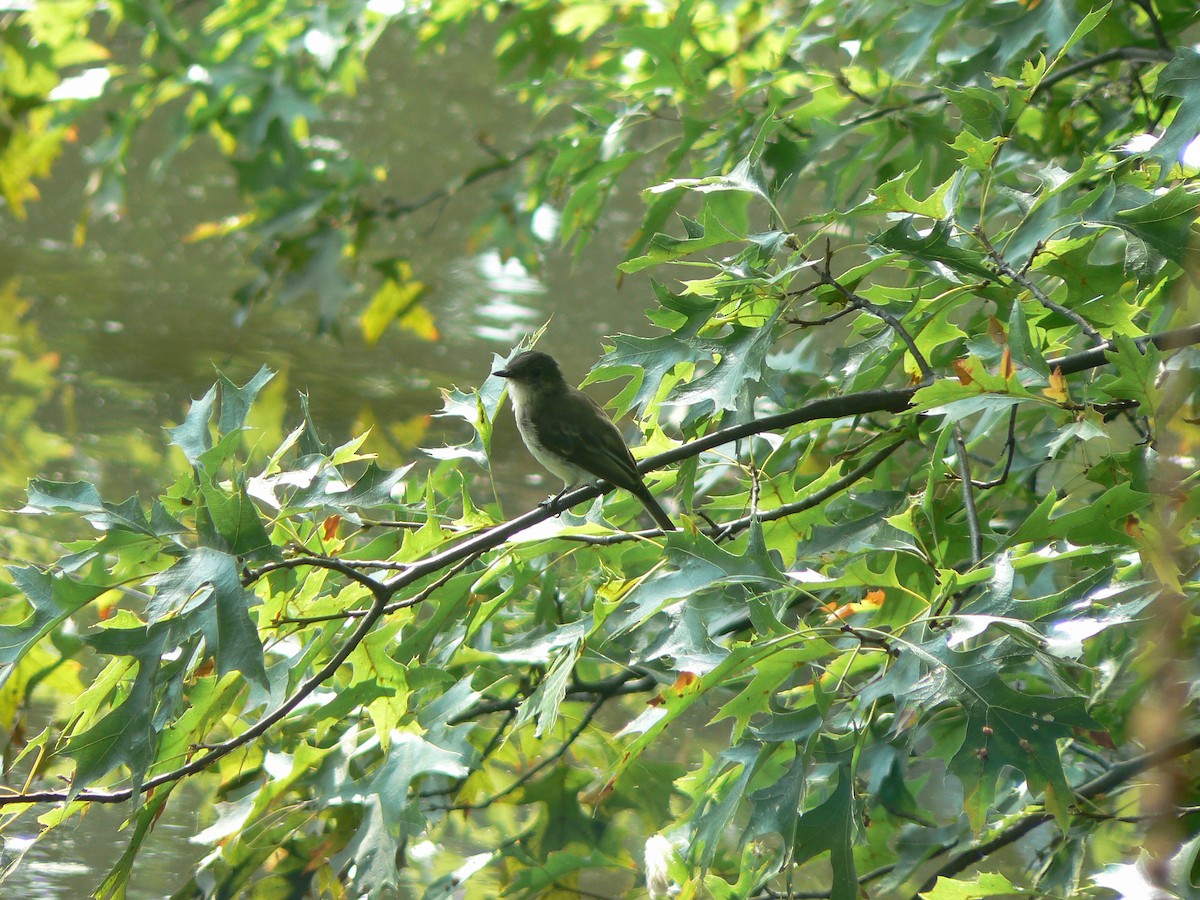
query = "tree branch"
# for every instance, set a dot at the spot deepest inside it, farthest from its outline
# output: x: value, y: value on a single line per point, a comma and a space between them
x: 215, y: 752
x: 1089, y: 359
x: 1102, y: 784
x: 883, y: 400
x: 856, y: 301
x: 542, y: 764
x: 1019, y: 277
x: 1120, y: 54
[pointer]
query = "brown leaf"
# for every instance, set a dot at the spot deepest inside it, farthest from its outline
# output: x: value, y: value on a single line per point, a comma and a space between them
x: 963, y: 371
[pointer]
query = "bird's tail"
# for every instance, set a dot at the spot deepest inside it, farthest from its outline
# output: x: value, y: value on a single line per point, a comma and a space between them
x: 661, y: 519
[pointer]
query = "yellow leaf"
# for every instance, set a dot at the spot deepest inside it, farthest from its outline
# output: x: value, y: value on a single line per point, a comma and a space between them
x: 206, y: 230
x: 1058, y: 387
x: 1007, y: 369
x: 398, y: 301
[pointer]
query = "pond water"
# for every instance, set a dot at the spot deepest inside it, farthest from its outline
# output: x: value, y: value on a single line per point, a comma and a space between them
x: 142, y: 319
x: 138, y: 320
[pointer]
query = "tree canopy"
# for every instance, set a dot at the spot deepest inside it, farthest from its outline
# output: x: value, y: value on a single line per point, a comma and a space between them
x: 919, y: 388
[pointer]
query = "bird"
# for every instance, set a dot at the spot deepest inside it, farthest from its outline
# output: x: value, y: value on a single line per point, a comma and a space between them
x: 569, y: 433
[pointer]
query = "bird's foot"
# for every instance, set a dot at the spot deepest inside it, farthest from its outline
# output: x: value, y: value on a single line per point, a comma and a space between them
x: 551, y: 502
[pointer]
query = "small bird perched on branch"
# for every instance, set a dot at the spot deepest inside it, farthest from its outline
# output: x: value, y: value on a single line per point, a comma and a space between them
x: 568, y: 432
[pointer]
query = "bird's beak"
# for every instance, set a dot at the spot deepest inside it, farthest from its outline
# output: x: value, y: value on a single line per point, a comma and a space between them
x: 501, y: 373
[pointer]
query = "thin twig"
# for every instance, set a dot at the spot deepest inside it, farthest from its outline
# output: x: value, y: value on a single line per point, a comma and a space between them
x: 216, y: 751
x: 1005, y: 268
x: 428, y: 590
x: 529, y: 774
x: 817, y: 497
x: 1010, y: 449
x: 1155, y: 24
x: 964, y: 471
x: 857, y: 301
x: 1122, y: 54
x: 824, y: 320
x: 349, y: 568
x: 631, y: 681
x: 407, y: 525
x: 394, y: 209
x: 1101, y: 784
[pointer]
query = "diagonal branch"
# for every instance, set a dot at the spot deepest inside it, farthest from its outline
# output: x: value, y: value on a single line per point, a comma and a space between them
x: 215, y: 752
x: 1102, y: 784
x: 1004, y: 267
x: 883, y: 400
x: 857, y: 301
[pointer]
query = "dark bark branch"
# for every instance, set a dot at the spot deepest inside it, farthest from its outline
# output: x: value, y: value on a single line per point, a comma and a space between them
x: 1101, y: 784
x: 895, y: 401
x: 529, y: 774
x: 215, y: 752
x: 1089, y: 359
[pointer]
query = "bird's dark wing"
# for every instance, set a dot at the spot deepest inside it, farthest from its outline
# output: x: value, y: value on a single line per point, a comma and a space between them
x: 596, y: 447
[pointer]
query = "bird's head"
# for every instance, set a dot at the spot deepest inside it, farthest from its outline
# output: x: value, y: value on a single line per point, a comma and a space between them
x: 532, y: 372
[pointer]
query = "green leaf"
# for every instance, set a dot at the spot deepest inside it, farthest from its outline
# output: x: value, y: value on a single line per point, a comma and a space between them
x: 936, y: 248
x: 1181, y: 80
x: 409, y: 758
x: 1004, y: 727
x: 127, y: 734
x: 977, y: 154
x: 650, y: 359
x: 1099, y: 521
x: 830, y: 827
x: 746, y: 177
x: 203, y: 590
x: 236, y: 521
x: 723, y: 796
x: 694, y: 564
x: 893, y: 195
x: 83, y: 498
x: 543, y: 703
x: 116, y: 882
x: 1165, y: 222
x: 983, y: 111
x: 192, y: 436
x: 737, y: 379
x: 721, y: 221
x: 54, y: 598
x: 985, y: 884
x: 236, y: 401
x: 1020, y: 342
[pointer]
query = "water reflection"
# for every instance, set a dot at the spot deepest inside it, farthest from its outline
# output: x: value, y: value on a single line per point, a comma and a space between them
x: 488, y: 294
